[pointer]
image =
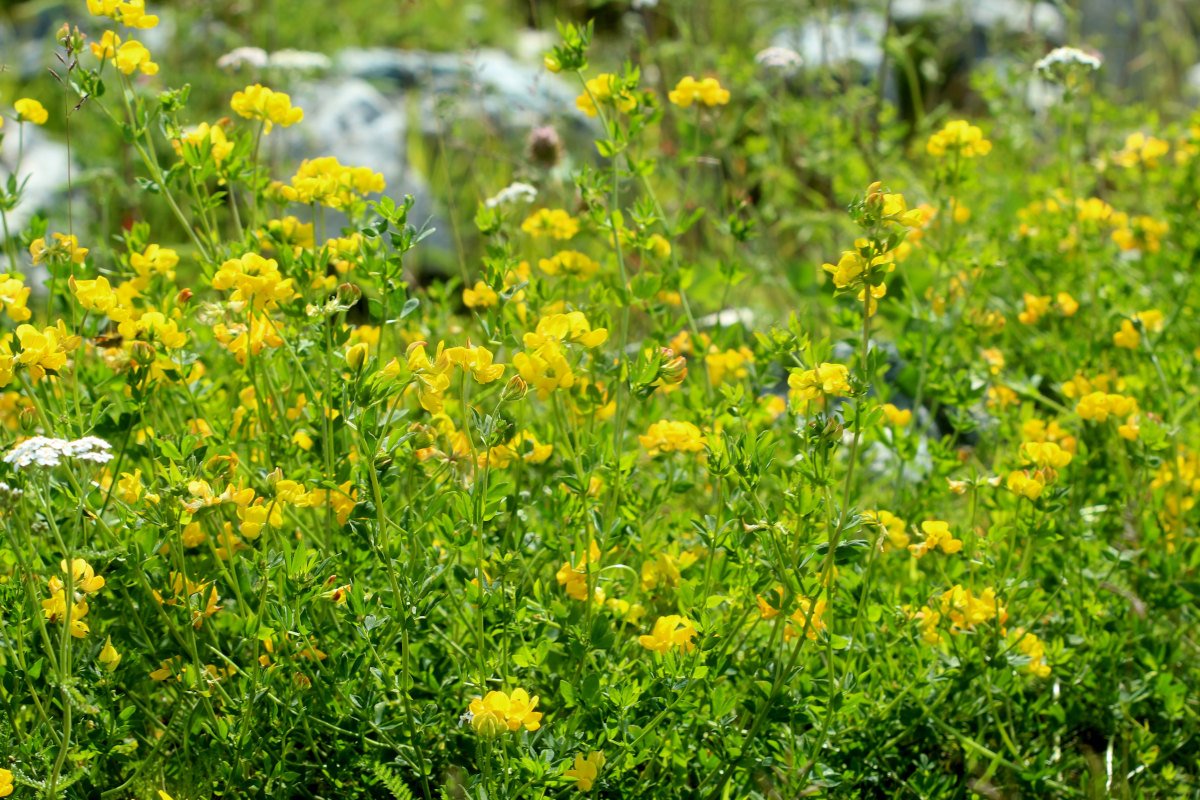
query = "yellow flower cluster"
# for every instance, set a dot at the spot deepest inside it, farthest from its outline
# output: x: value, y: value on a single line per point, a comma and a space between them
x: 30, y: 110
x: 1046, y: 458
x: 725, y: 364
x: 1128, y: 337
x: 1032, y: 647
x: 571, y: 263
x: 255, y: 281
x: 1141, y: 150
x: 824, y: 380
x: 63, y: 248
x: 707, y: 91
x: 585, y: 770
x: 84, y: 581
x: 893, y: 527
x: 266, y: 105
x: 130, y: 13
x: 543, y: 364
x: 14, y: 295
x: 129, y: 56
x: 574, y: 578
x: 966, y: 610
x: 327, y: 182
x: 668, y: 633
x: 499, y: 712
x: 958, y: 137
x: 672, y: 436
x: 204, y: 141
x: 606, y: 90
x: 937, y: 534
x: 554, y: 223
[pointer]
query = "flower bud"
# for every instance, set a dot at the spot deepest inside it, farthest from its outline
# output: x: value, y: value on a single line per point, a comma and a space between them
x: 356, y: 356
x: 514, y: 390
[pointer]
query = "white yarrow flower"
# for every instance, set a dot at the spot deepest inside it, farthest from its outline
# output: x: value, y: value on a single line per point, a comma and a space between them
x: 517, y: 192
x: 243, y: 57
x: 1067, y: 65
x: 43, y: 451
x: 299, y: 61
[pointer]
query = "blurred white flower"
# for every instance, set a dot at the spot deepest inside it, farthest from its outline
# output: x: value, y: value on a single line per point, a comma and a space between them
x: 1067, y: 65
x: 299, y: 61
x: 243, y: 57
x: 642, y: 5
x: 43, y: 451
x: 513, y: 193
x: 783, y: 59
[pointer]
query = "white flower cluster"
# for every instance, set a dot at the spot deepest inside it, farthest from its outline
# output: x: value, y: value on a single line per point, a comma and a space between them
x: 291, y: 60
x: 781, y: 59
x: 43, y: 451
x: 1062, y: 62
x: 513, y: 193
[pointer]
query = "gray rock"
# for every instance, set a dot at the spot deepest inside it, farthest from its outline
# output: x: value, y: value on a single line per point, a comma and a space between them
x: 43, y: 168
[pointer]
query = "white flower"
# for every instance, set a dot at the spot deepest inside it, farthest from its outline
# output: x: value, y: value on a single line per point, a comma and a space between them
x: 243, y: 57
x: 783, y: 59
x: 43, y: 451
x: 641, y: 5
x: 1066, y: 64
x: 513, y: 193
x: 299, y: 61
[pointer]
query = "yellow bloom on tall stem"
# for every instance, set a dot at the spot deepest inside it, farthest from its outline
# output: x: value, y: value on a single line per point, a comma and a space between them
x: 586, y: 770
x: 498, y: 712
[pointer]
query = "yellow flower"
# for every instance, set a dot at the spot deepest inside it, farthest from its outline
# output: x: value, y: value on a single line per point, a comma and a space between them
x: 328, y: 182
x: 669, y: 632
x: 268, y: 106
x: 129, y: 487
x: 499, y: 712
x: 1067, y: 304
x: 586, y: 770
x: 966, y: 610
x: 1036, y: 307
x: 130, y: 13
x: 605, y: 89
x: 6, y: 782
x: 1025, y: 484
x: 255, y: 280
x: 707, y: 91
x: 476, y: 359
x: 45, y: 351
x: 574, y: 579
x: 1045, y: 454
x: 553, y: 223
x: 109, y: 657
x: 14, y: 295
x: 897, y: 417
x: 825, y: 380
x: 937, y: 534
x: 1098, y: 406
x: 132, y: 56
x: 1032, y: 647
x: 203, y: 140
x: 893, y: 526
x: 569, y: 262
x: 30, y: 110
x: 356, y: 355
x: 958, y: 136
x: 1141, y: 150
x: 807, y: 618
x: 672, y: 436
x: 480, y: 296
x: 723, y: 364
x: 65, y: 247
